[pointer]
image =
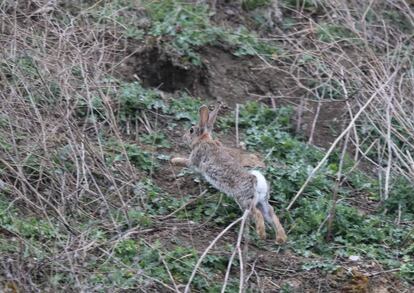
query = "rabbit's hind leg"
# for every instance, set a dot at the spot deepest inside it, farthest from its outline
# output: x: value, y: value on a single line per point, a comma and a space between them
x: 259, y: 221
x: 269, y: 215
x: 280, y: 231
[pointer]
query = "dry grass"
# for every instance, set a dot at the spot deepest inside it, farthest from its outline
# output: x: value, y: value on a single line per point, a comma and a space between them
x: 367, y: 63
x: 53, y: 66
x: 56, y: 59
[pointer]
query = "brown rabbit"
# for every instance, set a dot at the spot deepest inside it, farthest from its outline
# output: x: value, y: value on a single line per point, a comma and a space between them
x: 220, y: 168
x: 245, y: 159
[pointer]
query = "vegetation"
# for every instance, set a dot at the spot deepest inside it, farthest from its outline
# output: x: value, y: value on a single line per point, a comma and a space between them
x: 188, y: 28
x: 89, y: 201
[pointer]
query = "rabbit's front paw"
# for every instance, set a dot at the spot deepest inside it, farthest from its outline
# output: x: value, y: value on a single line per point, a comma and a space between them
x: 180, y: 161
x: 281, y: 238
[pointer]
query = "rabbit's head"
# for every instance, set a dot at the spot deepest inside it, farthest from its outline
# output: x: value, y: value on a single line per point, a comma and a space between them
x: 204, y: 127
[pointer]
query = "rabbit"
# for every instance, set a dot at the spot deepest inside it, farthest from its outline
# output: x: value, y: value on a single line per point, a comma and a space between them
x: 222, y: 170
x: 246, y: 160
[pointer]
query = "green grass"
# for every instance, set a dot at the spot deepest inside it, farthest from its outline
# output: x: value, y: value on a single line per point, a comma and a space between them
x: 69, y: 145
x: 289, y: 162
x: 330, y: 33
x: 254, y: 4
x: 307, y: 5
x: 268, y: 131
x: 186, y: 28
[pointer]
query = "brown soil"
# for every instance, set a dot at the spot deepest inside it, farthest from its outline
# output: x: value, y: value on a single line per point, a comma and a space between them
x: 223, y: 76
x: 233, y: 80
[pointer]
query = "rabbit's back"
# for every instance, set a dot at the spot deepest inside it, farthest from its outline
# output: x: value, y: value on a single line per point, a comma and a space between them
x: 223, y: 172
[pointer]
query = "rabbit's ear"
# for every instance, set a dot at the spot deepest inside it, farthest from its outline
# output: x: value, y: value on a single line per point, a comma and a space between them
x: 203, y: 112
x: 213, y: 116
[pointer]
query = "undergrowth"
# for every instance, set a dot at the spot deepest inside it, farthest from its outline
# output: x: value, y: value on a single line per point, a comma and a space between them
x: 289, y: 161
x: 190, y: 28
x: 372, y: 235
x: 88, y: 201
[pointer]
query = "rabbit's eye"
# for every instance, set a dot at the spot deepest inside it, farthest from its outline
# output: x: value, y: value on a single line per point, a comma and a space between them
x: 191, y: 130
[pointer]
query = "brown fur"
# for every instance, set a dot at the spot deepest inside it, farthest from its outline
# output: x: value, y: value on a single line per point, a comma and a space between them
x: 245, y: 159
x: 219, y: 167
x: 221, y: 171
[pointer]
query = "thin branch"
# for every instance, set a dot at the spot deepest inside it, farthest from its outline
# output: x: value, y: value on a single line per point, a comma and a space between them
x: 338, y: 139
x: 237, y: 125
x: 187, y: 287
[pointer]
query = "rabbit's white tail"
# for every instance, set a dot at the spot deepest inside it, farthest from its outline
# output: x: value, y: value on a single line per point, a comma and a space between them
x: 261, y: 196
x: 262, y: 188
